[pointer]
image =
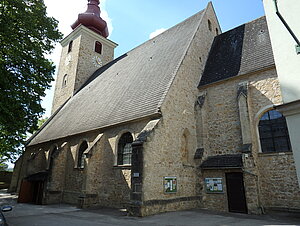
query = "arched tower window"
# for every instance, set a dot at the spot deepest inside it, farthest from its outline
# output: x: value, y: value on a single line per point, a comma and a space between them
x: 125, y: 149
x: 65, y: 80
x: 70, y: 46
x: 273, y: 132
x: 209, y: 25
x: 217, y: 31
x: 80, y: 160
x: 98, y: 47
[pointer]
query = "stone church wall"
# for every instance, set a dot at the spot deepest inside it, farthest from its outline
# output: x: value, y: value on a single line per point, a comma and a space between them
x: 101, y: 183
x: 279, y: 188
x: 170, y: 149
x: 269, y: 179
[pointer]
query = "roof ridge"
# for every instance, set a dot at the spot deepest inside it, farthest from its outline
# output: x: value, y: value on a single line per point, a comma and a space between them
x: 242, y: 50
x: 249, y: 22
x: 202, y: 12
x: 95, y: 74
x: 166, y: 31
x: 126, y: 89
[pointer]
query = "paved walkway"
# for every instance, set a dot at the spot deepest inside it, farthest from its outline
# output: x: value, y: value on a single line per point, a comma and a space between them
x: 65, y: 215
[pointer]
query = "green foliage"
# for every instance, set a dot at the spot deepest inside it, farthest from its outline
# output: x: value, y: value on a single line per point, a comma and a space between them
x: 26, y: 36
x: 3, y: 167
x: 41, y: 122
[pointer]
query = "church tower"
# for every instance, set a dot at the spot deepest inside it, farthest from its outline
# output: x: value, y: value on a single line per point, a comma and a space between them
x: 84, y: 50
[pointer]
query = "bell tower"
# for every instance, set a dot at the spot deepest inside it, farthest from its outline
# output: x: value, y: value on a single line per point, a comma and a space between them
x: 84, y: 50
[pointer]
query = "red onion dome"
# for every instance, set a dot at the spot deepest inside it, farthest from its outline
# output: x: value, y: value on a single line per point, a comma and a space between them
x: 92, y: 20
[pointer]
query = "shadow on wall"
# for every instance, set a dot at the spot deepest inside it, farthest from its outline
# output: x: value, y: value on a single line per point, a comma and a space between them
x: 99, y: 183
x: 112, y: 182
x: 36, y: 163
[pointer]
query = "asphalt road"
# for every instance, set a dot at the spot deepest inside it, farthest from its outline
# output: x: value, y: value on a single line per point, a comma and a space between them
x: 65, y: 215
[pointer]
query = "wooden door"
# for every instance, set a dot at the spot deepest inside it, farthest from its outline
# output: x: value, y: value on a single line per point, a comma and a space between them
x: 25, y: 194
x: 236, y: 193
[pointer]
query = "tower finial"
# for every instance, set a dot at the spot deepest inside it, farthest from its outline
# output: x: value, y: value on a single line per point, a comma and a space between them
x: 91, y: 19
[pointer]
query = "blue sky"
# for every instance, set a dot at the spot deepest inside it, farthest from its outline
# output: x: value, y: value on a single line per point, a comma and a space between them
x: 134, y: 20
x: 131, y: 22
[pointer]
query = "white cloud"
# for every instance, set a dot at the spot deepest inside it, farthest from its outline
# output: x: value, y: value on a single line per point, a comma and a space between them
x: 156, y: 32
x: 105, y: 16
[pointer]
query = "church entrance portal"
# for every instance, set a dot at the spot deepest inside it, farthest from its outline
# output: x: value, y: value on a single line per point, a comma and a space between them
x: 236, y: 193
x: 32, y: 188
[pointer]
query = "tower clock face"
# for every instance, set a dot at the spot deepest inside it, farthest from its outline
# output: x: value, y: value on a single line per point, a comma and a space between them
x: 97, y: 61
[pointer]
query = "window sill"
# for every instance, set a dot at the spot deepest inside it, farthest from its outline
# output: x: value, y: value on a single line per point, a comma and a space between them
x: 274, y: 153
x: 122, y: 167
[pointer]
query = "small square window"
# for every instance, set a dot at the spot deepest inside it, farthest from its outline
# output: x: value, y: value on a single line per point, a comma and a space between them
x: 98, y: 47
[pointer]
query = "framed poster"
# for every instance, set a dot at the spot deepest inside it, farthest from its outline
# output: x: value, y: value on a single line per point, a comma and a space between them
x: 214, y: 185
x: 170, y: 184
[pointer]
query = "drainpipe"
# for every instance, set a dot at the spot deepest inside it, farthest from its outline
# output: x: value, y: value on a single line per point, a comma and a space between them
x: 287, y: 27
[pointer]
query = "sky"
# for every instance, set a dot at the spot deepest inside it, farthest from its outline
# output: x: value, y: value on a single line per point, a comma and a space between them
x: 133, y: 22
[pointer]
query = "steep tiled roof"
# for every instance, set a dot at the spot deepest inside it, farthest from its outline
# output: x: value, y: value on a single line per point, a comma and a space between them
x: 223, y: 161
x: 244, y: 49
x: 131, y: 87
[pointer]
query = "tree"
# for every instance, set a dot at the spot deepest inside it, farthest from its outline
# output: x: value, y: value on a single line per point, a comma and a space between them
x: 41, y: 122
x: 27, y: 35
x: 3, y: 166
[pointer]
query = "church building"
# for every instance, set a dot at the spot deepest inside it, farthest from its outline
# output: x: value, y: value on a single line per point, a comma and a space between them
x: 185, y: 120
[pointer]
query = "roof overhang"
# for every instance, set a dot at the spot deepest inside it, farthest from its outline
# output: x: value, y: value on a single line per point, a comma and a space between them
x: 217, y: 162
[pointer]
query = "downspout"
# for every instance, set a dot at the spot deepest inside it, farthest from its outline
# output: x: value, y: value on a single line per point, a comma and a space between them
x: 287, y: 27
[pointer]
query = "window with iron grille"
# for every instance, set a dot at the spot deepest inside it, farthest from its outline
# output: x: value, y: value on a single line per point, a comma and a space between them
x: 273, y: 132
x: 82, y: 148
x: 125, y: 149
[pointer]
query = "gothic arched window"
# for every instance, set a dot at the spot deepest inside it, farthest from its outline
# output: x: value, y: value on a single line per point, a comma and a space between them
x: 70, y: 46
x: 98, y: 47
x: 125, y: 149
x: 273, y: 132
x: 53, y: 155
x: 80, y: 160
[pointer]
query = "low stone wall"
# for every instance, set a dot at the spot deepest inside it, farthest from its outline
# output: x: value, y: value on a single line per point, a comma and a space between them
x: 5, y: 179
x: 152, y: 207
x: 278, y: 181
x: 70, y: 197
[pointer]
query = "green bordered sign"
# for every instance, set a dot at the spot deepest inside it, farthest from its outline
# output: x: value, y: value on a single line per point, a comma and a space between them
x: 214, y: 185
x: 170, y: 184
